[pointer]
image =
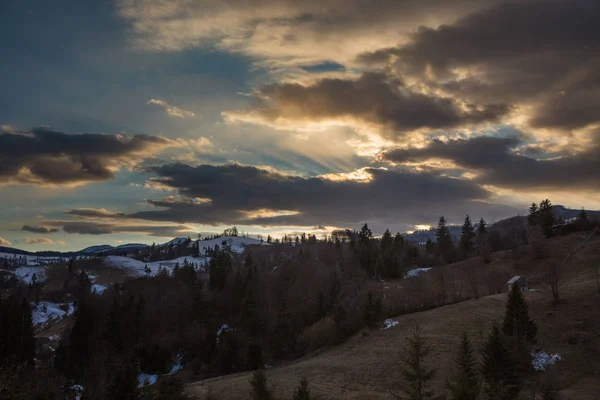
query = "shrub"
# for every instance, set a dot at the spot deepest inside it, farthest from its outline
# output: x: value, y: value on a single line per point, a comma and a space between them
x: 319, y: 334
x: 260, y: 389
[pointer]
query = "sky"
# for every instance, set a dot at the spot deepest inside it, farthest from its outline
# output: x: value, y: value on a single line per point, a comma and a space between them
x: 135, y: 121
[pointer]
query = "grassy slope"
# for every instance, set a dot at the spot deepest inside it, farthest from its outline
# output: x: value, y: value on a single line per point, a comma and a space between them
x: 366, y: 366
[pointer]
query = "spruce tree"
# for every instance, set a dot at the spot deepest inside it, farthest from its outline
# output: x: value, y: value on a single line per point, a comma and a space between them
x: 414, y: 370
x: 259, y: 387
x: 498, y: 370
x: 302, y: 392
x: 546, y: 217
x: 465, y: 384
x: 467, y: 236
x: 444, y: 240
x: 517, y: 323
x: 532, y: 217
x: 389, y: 266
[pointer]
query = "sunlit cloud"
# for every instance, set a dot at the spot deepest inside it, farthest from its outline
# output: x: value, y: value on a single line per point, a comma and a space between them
x: 43, y: 240
x: 171, y: 110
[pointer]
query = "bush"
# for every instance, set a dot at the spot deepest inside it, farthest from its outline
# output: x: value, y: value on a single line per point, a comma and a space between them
x: 537, y: 243
x: 321, y: 333
x: 260, y: 389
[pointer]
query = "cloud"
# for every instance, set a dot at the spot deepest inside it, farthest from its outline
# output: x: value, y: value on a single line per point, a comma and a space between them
x: 4, y: 242
x: 373, y: 98
x: 102, y: 228
x: 172, y: 111
x: 44, y: 156
x: 500, y: 162
x: 41, y: 240
x: 38, y: 229
x: 540, y: 55
x: 246, y: 195
x: 283, y: 32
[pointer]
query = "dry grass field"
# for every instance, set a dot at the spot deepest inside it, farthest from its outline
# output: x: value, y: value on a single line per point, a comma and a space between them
x: 367, y: 365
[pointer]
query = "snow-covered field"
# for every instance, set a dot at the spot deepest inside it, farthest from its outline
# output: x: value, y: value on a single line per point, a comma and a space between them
x: 46, y: 313
x: 138, y: 268
x: 236, y: 243
x: 25, y: 274
x: 30, y: 260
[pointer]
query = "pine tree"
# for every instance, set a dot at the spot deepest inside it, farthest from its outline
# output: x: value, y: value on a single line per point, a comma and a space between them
x: 364, y: 250
x: 465, y: 384
x: 467, y: 236
x: 546, y: 217
x: 444, y: 240
x: 532, y: 217
x: 302, y: 392
x: 498, y: 370
x: 415, y: 371
x: 260, y: 389
x: 389, y: 265
x: 517, y: 323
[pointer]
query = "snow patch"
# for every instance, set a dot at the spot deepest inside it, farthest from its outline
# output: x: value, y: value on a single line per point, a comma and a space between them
x: 45, y: 313
x: 177, y: 365
x: 415, y: 272
x: 388, y: 323
x: 99, y: 289
x: 25, y: 274
x: 146, y: 379
x: 541, y: 360
x: 78, y: 389
x: 223, y: 328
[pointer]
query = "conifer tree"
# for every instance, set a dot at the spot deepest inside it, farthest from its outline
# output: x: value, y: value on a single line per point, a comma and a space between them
x: 302, y: 392
x: 365, y: 249
x: 498, y: 370
x: 517, y: 323
x: 259, y: 387
x: 444, y: 240
x: 415, y: 371
x: 467, y: 236
x: 532, y: 217
x: 546, y: 217
x: 465, y: 384
x: 388, y: 256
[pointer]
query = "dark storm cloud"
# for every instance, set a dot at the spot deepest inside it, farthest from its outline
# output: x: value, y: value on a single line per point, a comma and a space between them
x: 372, y: 98
x: 543, y: 52
x: 498, y: 163
x: 45, y: 156
x: 99, y: 228
x: 237, y: 192
x: 38, y: 229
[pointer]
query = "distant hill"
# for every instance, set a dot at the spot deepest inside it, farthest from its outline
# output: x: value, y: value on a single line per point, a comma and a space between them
x: 420, y: 237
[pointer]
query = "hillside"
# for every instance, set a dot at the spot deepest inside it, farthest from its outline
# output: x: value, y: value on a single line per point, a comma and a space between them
x: 367, y: 365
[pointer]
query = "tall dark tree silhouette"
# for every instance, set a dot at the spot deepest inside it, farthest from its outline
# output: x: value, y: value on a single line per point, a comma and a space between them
x: 444, y: 244
x: 466, y: 237
x: 517, y: 324
x: 415, y: 371
x: 546, y: 217
x: 498, y: 370
x: 465, y: 383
